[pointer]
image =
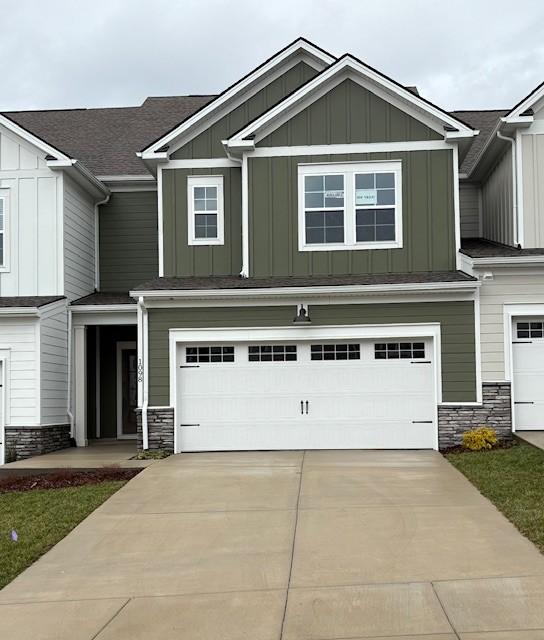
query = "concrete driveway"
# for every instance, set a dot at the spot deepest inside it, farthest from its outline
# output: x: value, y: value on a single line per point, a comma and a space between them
x: 262, y: 546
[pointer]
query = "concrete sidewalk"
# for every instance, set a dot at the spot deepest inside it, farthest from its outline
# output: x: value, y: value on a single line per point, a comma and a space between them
x: 262, y: 546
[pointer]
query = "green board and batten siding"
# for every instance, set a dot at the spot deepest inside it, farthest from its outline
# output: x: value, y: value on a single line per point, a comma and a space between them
x: 349, y: 113
x: 182, y: 259
x: 208, y: 143
x: 456, y: 320
x: 128, y: 250
x: 427, y: 212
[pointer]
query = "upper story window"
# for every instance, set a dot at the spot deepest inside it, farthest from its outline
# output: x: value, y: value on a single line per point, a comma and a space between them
x: 205, y: 210
x: 4, y: 212
x: 354, y: 205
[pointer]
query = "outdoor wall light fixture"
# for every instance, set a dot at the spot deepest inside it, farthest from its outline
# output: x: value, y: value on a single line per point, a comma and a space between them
x: 302, y: 316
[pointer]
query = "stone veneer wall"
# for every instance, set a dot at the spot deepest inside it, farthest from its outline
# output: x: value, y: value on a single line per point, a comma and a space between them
x: 495, y: 412
x: 26, y: 442
x: 160, y: 428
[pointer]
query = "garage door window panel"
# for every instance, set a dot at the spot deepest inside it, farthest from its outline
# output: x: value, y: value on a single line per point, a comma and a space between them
x: 209, y: 354
x: 272, y: 353
x: 399, y: 350
x: 335, y: 351
x: 530, y: 330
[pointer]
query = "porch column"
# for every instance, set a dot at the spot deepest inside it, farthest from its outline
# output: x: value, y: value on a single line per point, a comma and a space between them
x: 80, y: 385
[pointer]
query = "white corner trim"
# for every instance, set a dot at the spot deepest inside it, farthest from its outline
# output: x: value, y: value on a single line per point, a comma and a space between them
x: 160, y: 221
x: 194, y: 182
x: 359, y: 71
x: 519, y: 191
x: 244, y: 273
x: 456, y: 206
x: 245, y: 88
x: 5, y: 197
x: 478, y: 347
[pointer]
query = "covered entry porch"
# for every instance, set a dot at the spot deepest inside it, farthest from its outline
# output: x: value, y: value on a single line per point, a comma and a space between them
x: 105, y: 374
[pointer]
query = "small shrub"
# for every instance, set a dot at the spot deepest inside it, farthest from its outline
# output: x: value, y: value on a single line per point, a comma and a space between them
x: 11, y: 454
x: 480, y: 438
x: 148, y: 454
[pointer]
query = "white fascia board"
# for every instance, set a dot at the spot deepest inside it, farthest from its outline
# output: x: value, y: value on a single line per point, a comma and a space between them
x: 104, y: 308
x: 498, y: 261
x: 20, y: 311
x: 456, y: 135
x: 311, y: 291
x: 32, y: 139
x: 81, y: 175
x: 349, y: 64
x: 309, y: 51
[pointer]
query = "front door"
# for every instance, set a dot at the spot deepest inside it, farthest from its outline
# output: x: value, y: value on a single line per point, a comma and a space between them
x: 127, y: 389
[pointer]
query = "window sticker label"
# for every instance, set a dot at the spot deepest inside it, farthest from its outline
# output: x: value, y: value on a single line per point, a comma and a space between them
x: 334, y: 194
x: 366, y: 196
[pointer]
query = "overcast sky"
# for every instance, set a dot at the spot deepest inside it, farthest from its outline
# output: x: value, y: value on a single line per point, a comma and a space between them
x: 461, y: 55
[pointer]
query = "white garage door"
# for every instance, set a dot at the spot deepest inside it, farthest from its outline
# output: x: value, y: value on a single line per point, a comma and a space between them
x: 310, y: 395
x: 528, y: 369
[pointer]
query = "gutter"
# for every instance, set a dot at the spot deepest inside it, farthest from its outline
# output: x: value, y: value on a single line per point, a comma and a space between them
x: 516, y: 230
x: 142, y: 367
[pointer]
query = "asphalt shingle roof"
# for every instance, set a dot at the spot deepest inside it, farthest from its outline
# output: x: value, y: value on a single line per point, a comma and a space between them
x: 27, y: 301
x: 481, y: 248
x: 106, y: 140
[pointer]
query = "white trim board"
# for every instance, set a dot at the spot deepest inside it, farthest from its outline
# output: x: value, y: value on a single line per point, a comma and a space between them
x: 299, y: 50
x: 298, y: 333
x: 348, y: 67
x: 342, y: 149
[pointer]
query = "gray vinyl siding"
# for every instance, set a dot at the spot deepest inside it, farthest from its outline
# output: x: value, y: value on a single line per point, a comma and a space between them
x: 469, y: 205
x: 79, y: 241
x: 208, y: 143
x: 532, y: 146
x: 427, y: 211
x: 525, y: 286
x: 180, y: 259
x: 54, y: 364
x: 349, y: 113
x: 456, y: 319
x: 497, y: 202
x: 128, y: 236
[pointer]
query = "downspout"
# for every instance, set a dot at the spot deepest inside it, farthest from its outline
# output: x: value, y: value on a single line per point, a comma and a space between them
x: 69, y: 399
x: 97, y: 242
x: 142, y: 351
x: 516, y: 230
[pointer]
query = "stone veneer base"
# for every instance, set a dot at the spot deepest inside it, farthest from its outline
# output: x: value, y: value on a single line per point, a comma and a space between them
x: 160, y: 428
x: 495, y: 412
x: 27, y: 442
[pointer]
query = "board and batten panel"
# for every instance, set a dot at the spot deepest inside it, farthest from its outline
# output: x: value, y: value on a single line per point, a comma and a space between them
x: 525, y: 286
x: 128, y: 240
x: 348, y: 113
x: 208, y: 143
x: 182, y: 259
x: 456, y: 320
x: 21, y: 336
x: 469, y: 205
x: 79, y: 241
x: 532, y: 146
x: 34, y: 222
x: 54, y: 364
x: 427, y: 212
x: 497, y: 202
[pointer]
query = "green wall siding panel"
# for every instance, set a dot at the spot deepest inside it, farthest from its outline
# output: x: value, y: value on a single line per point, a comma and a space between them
x: 427, y: 211
x: 208, y: 143
x: 349, y: 113
x: 456, y: 320
x: 128, y: 250
x: 181, y: 259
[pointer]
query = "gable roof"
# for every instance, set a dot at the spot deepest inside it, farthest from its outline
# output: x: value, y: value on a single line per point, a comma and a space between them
x: 382, y: 85
x: 301, y: 48
x: 486, y: 122
x: 518, y: 111
x: 106, y: 140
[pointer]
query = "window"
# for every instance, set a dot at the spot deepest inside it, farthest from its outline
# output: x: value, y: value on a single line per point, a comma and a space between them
x: 335, y: 352
x: 209, y: 354
x: 272, y: 353
x: 205, y: 210
x: 396, y: 350
x: 530, y: 329
x: 4, y: 204
x: 354, y: 205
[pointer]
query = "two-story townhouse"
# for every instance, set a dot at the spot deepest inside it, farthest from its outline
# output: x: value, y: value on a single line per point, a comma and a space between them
x: 502, y: 182
x: 278, y: 266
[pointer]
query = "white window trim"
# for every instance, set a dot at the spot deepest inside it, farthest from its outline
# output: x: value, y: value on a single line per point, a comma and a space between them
x: 5, y: 196
x: 205, y: 181
x: 349, y: 169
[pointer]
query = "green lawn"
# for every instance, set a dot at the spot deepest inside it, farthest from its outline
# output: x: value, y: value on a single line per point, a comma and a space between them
x: 513, y: 479
x: 41, y: 518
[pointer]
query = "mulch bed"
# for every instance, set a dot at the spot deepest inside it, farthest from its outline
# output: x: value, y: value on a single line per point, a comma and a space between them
x: 65, y: 478
x: 507, y: 444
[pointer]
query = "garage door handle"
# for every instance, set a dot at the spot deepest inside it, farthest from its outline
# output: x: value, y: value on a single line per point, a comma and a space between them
x: 420, y: 362
x: 522, y: 342
x: 520, y: 402
x: 301, y: 407
x: 422, y: 421
x: 307, y: 403
x: 189, y: 366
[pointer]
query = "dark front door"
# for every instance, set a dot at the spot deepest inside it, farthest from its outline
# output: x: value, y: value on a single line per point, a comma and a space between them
x: 129, y: 391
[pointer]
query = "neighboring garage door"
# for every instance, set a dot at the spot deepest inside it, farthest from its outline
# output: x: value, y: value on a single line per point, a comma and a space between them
x: 528, y: 369
x: 310, y: 395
